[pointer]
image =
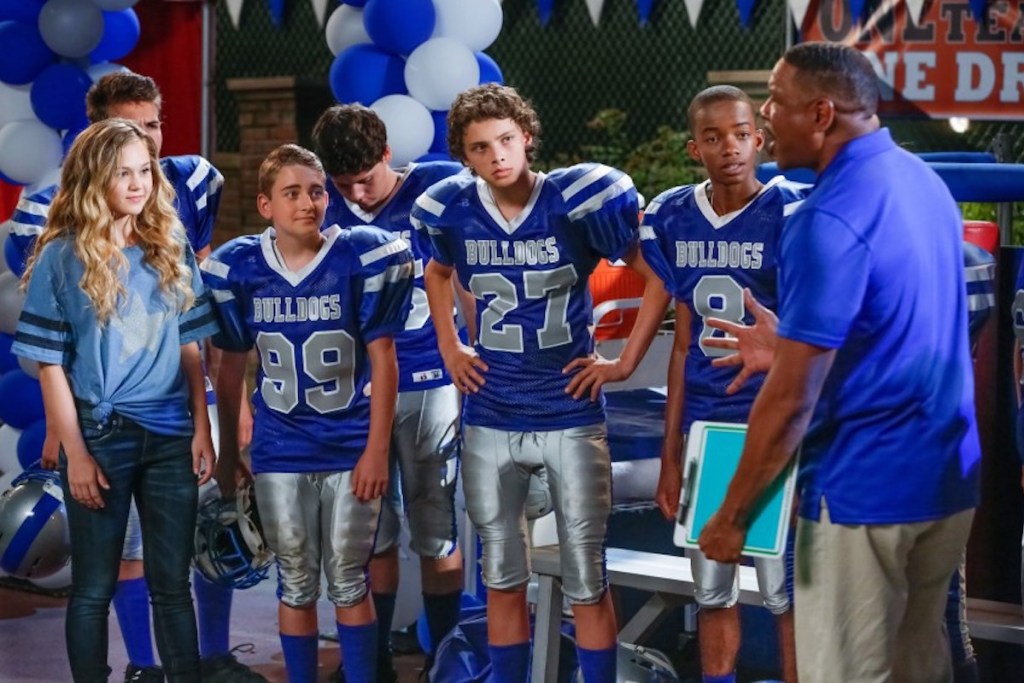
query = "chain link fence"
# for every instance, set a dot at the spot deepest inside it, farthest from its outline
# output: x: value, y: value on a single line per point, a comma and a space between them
x: 630, y: 83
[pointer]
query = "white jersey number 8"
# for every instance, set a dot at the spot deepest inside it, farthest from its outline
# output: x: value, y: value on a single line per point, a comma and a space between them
x: 328, y: 358
x: 717, y: 296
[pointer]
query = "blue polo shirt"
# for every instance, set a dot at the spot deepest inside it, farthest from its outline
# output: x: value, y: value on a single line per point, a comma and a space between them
x: 872, y: 265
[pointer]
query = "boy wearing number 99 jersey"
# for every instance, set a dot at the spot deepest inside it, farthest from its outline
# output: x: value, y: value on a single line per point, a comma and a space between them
x: 524, y: 243
x: 709, y: 242
x: 322, y: 309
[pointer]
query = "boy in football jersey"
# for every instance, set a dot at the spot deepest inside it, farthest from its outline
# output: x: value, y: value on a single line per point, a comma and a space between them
x: 524, y: 243
x: 322, y: 310
x: 708, y: 242
x: 351, y: 140
x: 197, y: 185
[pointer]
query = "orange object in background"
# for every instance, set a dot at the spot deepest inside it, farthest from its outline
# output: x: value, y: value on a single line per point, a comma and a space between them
x: 8, y: 199
x: 984, y: 234
x: 609, y: 282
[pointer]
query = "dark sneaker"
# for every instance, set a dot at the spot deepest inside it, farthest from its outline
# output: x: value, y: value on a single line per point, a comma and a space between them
x: 385, y: 673
x: 227, y: 669
x: 143, y: 674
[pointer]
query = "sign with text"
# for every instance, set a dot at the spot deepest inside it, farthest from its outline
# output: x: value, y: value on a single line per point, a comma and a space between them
x: 947, y: 63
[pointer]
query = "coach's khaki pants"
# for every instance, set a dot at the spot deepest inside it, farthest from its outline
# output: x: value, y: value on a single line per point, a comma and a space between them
x: 870, y: 598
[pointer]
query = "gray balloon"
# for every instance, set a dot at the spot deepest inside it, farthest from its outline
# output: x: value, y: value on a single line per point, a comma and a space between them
x: 71, y: 28
x: 12, y: 300
x: 30, y: 367
x: 114, y: 5
x: 5, y: 230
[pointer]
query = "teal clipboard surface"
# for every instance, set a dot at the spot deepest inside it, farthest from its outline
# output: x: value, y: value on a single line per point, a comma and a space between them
x: 713, y: 451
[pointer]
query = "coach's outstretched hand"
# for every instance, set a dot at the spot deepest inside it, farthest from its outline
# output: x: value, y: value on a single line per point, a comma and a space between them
x: 754, y: 344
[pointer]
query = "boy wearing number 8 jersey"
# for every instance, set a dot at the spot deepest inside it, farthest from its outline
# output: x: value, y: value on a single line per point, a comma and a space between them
x: 708, y: 242
x: 322, y: 309
x: 524, y: 244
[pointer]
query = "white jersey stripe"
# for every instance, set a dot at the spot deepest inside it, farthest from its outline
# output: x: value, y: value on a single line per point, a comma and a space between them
x: 222, y: 295
x: 981, y: 302
x: 215, y: 267
x: 198, y: 175
x: 647, y: 233
x: 391, y: 274
x: 980, y: 273
x: 430, y: 205
x: 383, y: 251
x: 201, y: 202
x: 588, y: 179
x: 788, y: 209
x: 623, y: 184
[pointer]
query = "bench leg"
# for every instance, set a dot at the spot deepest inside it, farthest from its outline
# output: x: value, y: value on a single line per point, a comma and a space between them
x: 650, y: 616
x: 547, y: 630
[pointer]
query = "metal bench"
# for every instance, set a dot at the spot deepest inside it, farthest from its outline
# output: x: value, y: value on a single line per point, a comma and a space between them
x: 670, y: 580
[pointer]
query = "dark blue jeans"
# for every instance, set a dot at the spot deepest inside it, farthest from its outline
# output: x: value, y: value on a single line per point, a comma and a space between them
x: 157, y: 470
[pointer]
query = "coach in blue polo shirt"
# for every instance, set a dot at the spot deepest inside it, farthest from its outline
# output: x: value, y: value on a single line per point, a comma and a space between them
x: 872, y: 375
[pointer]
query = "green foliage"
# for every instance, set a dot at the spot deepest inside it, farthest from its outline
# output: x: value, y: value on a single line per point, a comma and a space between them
x: 655, y: 165
x: 976, y: 211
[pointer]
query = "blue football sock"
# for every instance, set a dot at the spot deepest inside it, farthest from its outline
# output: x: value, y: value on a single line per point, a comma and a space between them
x: 384, y: 605
x: 131, y: 602
x: 300, y: 654
x: 510, y: 663
x: 358, y: 651
x: 598, y: 666
x: 727, y: 678
x: 213, y: 616
x: 442, y: 615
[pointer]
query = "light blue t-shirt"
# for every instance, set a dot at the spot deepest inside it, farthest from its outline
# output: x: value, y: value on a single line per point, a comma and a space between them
x: 872, y: 265
x: 132, y: 364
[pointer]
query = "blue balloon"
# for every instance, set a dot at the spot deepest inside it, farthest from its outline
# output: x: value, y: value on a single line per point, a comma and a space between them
x: 434, y: 156
x: 8, y: 361
x: 120, y: 36
x: 25, y: 55
x: 69, y: 136
x: 365, y: 73
x: 14, y: 258
x: 354, y: 3
x: 440, y: 143
x: 22, y: 399
x: 26, y: 11
x: 30, y: 444
x: 58, y: 96
x: 490, y: 72
x: 399, y: 25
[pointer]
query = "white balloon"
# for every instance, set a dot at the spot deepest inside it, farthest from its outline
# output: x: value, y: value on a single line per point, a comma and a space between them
x: 440, y: 69
x: 114, y: 5
x: 345, y: 28
x: 9, y: 449
x: 30, y: 367
x: 474, y: 23
x: 98, y: 71
x: 29, y: 149
x: 12, y: 300
x: 15, y: 103
x: 72, y: 28
x: 410, y: 127
x: 58, y: 581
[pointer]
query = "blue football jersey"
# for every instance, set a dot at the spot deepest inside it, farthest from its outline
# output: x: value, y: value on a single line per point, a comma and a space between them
x: 197, y: 187
x: 529, y: 276
x: 706, y: 261
x: 420, y: 365
x: 311, y: 328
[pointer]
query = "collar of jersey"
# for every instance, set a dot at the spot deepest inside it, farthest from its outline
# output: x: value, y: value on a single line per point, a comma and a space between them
x: 276, y: 263
x: 700, y: 195
x: 371, y: 216
x: 486, y: 197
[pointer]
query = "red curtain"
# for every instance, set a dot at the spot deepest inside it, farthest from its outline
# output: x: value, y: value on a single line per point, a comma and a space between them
x: 170, y: 51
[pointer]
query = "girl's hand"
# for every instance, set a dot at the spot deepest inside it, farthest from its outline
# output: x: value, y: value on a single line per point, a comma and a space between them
x: 85, y: 479
x: 204, y: 459
x: 370, y: 477
x: 51, y: 451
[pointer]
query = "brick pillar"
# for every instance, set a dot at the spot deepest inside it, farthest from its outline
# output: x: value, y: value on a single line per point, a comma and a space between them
x: 266, y: 119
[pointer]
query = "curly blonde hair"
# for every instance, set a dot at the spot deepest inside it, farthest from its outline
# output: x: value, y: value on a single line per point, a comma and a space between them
x: 80, y: 211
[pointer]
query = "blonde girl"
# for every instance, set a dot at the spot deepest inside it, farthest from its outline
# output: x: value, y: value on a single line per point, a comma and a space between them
x: 114, y: 310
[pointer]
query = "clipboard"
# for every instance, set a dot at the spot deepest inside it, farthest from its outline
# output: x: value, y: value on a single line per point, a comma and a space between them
x: 713, y: 452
